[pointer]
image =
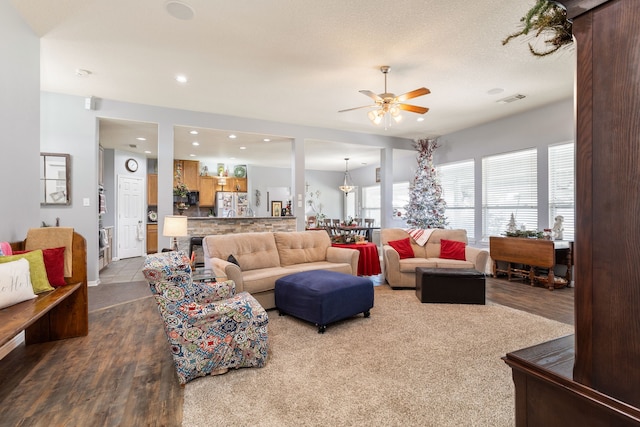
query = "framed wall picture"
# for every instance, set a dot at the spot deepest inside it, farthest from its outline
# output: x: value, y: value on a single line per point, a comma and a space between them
x: 377, y: 174
x: 276, y: 208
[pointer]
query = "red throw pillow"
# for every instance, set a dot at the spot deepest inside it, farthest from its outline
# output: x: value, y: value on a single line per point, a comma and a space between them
x: 54, y: 264
x: 403, y: 247
x: 452, y: 249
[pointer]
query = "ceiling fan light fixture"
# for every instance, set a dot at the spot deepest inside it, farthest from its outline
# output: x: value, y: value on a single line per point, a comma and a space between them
x: 388, y: 102
x: 395, y: 113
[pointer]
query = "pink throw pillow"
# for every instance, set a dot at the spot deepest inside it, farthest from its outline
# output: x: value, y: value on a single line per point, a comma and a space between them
x: 452, y: 249
x: 403, y: 247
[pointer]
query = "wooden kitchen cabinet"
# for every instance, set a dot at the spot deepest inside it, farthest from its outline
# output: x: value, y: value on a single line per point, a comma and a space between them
x: 152, y: 189
x: 207, y: 191
x: 190, y: 173
x: 238, y: 184
x: 152, y: 238
x: 233, y: 184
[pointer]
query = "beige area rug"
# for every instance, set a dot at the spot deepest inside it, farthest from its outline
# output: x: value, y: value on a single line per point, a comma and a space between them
x: 409, y: 364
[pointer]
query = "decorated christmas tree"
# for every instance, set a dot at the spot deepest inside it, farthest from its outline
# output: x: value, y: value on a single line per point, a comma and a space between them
x: 426, y: 206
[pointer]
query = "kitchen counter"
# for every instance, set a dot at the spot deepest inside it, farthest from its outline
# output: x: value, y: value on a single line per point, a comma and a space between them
x: 204, y: 226
x: 270, y: 218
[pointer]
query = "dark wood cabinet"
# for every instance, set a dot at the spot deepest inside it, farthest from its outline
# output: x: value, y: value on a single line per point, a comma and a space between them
x: 602, y: 388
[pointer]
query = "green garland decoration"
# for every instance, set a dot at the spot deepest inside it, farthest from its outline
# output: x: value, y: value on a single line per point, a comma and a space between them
x: 542, y: 17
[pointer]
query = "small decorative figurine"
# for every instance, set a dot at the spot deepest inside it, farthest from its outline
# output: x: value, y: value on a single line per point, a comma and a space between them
x: 558, y: 228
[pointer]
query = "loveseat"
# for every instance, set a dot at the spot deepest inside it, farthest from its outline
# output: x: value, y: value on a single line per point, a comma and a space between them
x: 401, y: 272
x: 264, y: 257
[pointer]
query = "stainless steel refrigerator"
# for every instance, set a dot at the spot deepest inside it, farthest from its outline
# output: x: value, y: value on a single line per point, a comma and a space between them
x: 230, y: 204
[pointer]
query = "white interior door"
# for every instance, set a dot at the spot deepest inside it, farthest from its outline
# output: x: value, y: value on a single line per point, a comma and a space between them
x: 130, y: 218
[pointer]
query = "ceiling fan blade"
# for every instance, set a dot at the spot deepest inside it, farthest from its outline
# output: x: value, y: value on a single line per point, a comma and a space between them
x: 357, y: 108
x: 371, y: 95
x: 413, y: 94
x: 413, y: 108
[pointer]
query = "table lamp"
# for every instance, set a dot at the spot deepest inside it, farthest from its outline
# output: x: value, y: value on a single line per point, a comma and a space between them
x: 175, y: 226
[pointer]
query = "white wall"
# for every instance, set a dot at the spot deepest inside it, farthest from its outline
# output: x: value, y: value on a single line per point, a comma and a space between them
x: 19, y: 125
x: 66, y: 127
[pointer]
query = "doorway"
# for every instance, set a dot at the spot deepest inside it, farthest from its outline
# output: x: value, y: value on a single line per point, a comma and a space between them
x: 130, y: 217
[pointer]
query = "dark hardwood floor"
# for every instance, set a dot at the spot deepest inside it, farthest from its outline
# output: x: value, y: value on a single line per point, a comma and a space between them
x: 122, y: 373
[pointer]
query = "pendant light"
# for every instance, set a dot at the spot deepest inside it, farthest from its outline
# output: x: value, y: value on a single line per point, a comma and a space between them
x: 347, y: 185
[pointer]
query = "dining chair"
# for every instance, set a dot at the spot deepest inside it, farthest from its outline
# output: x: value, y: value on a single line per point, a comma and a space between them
x: 358, y: 221
x: 335, y: 222
x: 368, y: 222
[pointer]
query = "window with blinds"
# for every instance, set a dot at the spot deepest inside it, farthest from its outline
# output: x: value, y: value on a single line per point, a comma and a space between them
x: 371, y: 200
x: 509, y: 186
x: 457, y: 181
x: 371, y: 203
x: 400, y: 198
x: 562, y: 186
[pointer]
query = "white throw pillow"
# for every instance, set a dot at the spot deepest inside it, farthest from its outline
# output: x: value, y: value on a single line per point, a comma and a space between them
x: 15, y: 283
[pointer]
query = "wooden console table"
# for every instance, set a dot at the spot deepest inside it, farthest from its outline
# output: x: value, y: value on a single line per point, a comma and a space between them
x: 526, y: 257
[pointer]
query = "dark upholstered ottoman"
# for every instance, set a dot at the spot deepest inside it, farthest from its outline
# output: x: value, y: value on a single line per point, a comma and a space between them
x: 450, y: 285
x: 323, y: 297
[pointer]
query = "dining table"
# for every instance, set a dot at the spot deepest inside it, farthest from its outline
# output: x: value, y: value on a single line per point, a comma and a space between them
x: 367, y: 232
x: 369, y: 260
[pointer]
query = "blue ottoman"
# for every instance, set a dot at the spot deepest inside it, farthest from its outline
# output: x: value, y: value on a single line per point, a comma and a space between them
x: 323, y: 297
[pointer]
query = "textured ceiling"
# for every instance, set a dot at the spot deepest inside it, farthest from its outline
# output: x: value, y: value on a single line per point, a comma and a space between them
x: 300, y: 61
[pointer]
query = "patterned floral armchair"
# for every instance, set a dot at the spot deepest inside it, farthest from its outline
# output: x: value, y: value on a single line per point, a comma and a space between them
x: 209, y: 328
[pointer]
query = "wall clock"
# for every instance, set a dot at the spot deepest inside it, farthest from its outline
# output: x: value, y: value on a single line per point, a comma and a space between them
x: 131, y: 165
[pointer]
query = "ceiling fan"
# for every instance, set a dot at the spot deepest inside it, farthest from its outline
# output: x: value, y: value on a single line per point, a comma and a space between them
x: 390, y: 103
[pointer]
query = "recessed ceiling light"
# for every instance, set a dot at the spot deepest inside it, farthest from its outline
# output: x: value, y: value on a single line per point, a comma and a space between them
x: 193, y: 132
x: 147, y: 152
x: 141, y: 138
x: 495, y: 91
x: 179, y: 10
x: 266, y: 140
x: 181, y: 78
x: 81, y: 72
x: 192, y: 155
x: 232, y: 158
x: 232, y: 136
x: 196, y: 143
x: 420, y: 119
x: 243, y: 148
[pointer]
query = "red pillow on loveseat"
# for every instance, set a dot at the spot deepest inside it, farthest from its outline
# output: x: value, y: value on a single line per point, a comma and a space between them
x: 452, y: 249
x: 403, y: 247
x: 53, y: 264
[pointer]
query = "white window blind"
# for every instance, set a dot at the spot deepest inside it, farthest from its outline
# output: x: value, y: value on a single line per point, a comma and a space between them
x: 457, y: 180
x: 509, y: 186
x: 371, y: 200
x: 562, y: 186
x: 400, y: 198
x: 371, y: 203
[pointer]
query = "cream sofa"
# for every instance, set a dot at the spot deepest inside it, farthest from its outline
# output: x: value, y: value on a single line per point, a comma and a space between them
x: 401, y: 273
x: 264, y: 257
